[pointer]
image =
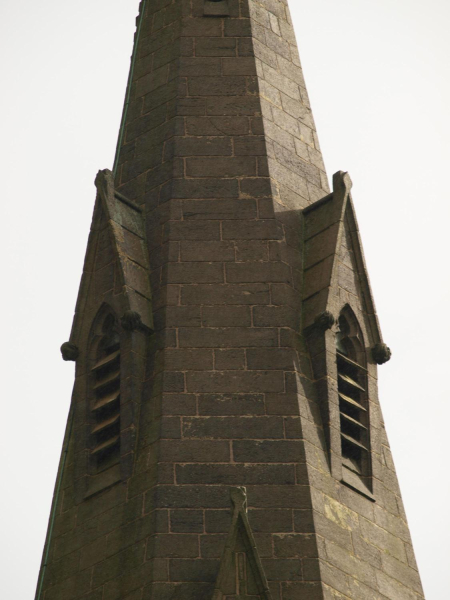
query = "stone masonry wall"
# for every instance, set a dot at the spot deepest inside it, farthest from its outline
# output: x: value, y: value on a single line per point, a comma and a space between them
x: 220, y: 150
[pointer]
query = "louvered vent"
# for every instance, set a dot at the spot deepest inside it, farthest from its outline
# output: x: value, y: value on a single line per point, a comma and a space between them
x: 106, y: 408
x: 354, y: 419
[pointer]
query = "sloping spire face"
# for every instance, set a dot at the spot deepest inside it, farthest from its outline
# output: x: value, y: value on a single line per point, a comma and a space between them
x: 232, y: 380
x: 220, y: 98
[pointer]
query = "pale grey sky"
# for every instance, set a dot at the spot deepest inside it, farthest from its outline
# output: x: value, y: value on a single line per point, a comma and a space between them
x: 377, y: 74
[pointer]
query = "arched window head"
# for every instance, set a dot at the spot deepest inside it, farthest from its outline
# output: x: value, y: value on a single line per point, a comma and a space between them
x: 349, y: 337
x: 110, y: 341
x: 105, y: 396
x: 353, y: 404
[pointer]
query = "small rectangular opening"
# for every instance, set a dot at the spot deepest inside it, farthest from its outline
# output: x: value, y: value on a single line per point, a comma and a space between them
x: 216, y: 8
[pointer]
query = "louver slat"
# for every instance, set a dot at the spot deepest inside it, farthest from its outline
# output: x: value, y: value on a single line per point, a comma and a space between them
x: 353, y: 421
x: 351, y: 382
x: 106, y: 360
x: 107, y: 380
x: 354, y: 442
x: 105, y: 445
x: 352, y: 363
x: 107, y: 423
x: 351, y: 401
x: 105, y: 400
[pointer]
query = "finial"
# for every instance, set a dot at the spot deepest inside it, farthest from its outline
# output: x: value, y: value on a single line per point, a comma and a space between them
x: 238, y: 496
x: 342, y: 181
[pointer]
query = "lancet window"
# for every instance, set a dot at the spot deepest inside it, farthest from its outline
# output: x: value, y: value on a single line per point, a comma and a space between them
x: 105, y: 381
x: 353, y: 402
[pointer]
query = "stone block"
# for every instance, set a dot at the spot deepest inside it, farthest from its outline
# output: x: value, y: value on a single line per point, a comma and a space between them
x: 308, y: 589
x: 200, y: 188
x: 211, y: 546
x: 230, y: 404
x: 401, y: 572
x: 391, y: 588
x: 234, y: 381
x: 229, y: 360
x: 260, y: 229
x: 221, y: 166
x: 252, y: 251
x: 236, y: 474
x: 270, y: 521
x: 183, y: 451
x: 177, y: 316
x: 177, y: 591
x: 271, y: 358
x: 346, y: 562
x: 178, y: 404
x: 176, y: 359
x: 275, y: 316
x: 202, y: 146
x: 217, y: 86
x: 173, y: 545
x: 249, y: 294
x: 283, y: 451
x: 233, y: 106
x: 219, y: 209
x: 238, y: 66
x: 241, y: 427
x: 193, y: 272
x: 249, y: 146
x: 233, y: 316
x: 383, y: 540
x: 213, y: 46
x: 192, y: 251
x: 129, y: 559
x: 217, y: 126
x: 238, y: 28
x: 190, y: 230
x: 236, y: 337
x: 258, y: 272
x: 298, y: 496
x: 186, y: 521
x: 193, y: 570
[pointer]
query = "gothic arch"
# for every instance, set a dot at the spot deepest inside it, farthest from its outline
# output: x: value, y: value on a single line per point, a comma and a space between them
x: 351, y: 336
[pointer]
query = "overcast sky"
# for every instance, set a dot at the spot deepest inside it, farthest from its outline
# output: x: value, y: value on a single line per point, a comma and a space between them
x: 378, y: 76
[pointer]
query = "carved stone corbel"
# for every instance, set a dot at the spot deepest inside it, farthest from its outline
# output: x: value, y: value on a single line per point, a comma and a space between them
x: 324, y: 321
x: 381, y: 354
x: 131, y: 321
x: 69, y: 351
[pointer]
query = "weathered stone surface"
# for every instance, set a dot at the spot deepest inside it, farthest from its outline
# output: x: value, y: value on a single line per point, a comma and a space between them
x: 224, y: 225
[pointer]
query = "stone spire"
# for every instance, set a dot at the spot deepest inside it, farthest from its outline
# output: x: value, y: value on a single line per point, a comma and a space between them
x: 218, y: 274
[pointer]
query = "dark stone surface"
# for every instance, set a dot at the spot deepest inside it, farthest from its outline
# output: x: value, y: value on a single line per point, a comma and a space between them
x: 219, y: 158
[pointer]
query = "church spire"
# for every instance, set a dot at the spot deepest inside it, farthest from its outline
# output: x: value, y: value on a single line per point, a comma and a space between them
x: 218, y: 274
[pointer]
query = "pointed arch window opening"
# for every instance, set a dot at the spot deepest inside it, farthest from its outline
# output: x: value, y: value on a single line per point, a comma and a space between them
x: 105, y: 378
x: 352, y: 392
